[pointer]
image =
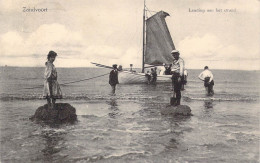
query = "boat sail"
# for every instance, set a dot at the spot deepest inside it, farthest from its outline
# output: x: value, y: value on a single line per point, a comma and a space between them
x: 157, y: 47
x: 159, y: 43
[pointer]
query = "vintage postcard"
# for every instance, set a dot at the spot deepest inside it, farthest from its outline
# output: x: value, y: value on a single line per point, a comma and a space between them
x: 129, y: 81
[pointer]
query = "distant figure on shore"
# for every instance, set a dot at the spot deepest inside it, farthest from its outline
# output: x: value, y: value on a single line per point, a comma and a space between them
x: 184, y: 79
x: 52, y: 89
x: 207, y: 77
x: 131, y: 68
x: 154, y: 75
x: 113, y: 78
x: 148, y: 76
x: 177, y: 71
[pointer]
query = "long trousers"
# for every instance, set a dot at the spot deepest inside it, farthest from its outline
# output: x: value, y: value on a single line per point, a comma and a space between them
x: 177, y: 87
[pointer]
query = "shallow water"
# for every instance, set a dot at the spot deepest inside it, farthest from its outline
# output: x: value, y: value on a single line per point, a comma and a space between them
x: 128, y: 127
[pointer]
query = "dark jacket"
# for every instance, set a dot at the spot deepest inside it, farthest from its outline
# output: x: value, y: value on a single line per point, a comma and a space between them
x: 113, y: 77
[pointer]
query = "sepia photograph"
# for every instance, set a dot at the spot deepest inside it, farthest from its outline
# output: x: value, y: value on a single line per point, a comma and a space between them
x: 156, y: 81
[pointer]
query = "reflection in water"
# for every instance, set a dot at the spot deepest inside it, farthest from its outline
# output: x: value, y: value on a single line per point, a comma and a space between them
x: 113, y: 107
x: 172, y: 144
x: 176, y: 131
x: 208, y: 108
x: 208, y: 104
x: 54, y: 144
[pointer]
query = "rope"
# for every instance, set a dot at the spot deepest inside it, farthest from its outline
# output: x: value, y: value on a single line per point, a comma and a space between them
x: 84, y: 79
x: 71, y: 81
x: 150, y: 11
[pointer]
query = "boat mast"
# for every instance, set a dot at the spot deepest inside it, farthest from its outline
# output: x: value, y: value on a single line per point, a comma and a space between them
x: 143, y: 38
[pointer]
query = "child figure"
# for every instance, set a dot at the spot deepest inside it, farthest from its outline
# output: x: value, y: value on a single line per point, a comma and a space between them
x: 52, y: 89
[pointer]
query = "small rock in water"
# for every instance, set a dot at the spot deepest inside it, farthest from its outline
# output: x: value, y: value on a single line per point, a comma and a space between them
x: 60, y: 113
x: 176, y: 110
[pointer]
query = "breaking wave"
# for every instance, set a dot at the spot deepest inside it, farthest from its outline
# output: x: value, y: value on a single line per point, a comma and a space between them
x: 140, y: 97
x: 245, y: 99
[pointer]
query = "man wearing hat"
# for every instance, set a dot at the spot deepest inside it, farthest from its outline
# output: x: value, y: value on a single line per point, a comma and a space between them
x: 177, y: 70
x: 113, y: 78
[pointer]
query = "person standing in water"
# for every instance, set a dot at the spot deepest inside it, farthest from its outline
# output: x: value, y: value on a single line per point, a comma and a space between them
x: 207, y: 77
x: 177, y: 71
x: 154, y: 75
x: 148, y: 76
x: 113, y: 78
x: 52, y: 89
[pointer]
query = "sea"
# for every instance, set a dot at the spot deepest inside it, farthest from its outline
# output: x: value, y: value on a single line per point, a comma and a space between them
x: 128, y: 126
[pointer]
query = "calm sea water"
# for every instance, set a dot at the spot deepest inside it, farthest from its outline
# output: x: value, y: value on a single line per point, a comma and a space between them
x: 128, y: 127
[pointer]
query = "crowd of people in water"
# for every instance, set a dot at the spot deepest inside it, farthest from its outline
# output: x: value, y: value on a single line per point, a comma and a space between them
x: 176, y: 69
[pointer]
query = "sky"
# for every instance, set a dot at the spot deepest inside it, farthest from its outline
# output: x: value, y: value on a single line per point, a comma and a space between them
x: 110, y: 31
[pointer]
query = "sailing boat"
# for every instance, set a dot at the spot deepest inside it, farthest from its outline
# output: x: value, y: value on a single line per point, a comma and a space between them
x: 157, y: 47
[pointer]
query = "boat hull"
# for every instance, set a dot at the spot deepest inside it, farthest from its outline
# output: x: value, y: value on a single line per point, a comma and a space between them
x: 128, y: 77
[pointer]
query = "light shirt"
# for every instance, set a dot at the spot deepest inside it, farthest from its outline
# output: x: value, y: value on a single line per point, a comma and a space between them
x: 206, y: 73
x: 50, y: 70
x: 178, y: 66
x: 185, y: 73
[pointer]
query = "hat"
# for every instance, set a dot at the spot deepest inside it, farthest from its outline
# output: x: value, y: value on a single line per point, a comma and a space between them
x: 114, y: 65
x: 52, y: 53
x: 175, y: 51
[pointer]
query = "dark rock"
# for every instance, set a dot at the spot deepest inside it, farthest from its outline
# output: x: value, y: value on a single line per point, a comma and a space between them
x: 60, y: 113
x: 183, y: 110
